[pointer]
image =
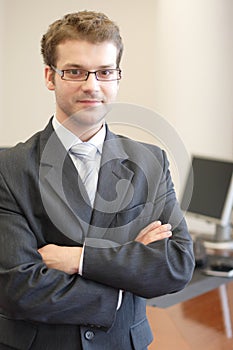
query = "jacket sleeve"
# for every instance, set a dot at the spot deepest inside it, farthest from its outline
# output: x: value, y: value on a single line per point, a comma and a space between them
x: 30, y: 291
x: 162, y: 267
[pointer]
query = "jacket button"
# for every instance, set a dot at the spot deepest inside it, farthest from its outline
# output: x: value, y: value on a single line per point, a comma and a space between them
x: 89, y: 335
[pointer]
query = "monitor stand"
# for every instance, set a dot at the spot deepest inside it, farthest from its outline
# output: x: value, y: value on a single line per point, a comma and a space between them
x: 222, y: 239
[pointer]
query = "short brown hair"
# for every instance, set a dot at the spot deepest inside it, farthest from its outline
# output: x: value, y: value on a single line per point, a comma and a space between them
x: 94, y: 27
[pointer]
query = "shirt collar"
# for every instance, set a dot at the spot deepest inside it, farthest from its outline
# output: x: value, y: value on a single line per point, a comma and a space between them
x: 68, y: 139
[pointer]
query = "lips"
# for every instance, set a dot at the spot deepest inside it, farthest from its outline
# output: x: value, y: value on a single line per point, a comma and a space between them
x: 90, y: 101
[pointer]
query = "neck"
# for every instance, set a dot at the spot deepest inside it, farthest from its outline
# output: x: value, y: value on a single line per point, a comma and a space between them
x: 85, y: 123
x: 88, y: 134
x: 83, y: 131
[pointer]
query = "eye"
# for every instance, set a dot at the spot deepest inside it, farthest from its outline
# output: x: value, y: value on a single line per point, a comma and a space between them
x: 106, y: 72
x: 77, y: 72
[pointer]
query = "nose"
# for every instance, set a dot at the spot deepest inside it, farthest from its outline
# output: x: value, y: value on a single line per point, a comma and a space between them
x: 91, y: 84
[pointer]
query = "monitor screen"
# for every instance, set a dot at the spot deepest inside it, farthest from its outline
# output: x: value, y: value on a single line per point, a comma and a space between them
x: 209, y: 182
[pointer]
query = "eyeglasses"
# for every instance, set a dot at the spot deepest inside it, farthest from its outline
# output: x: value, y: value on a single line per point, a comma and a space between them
x: 76, y: 74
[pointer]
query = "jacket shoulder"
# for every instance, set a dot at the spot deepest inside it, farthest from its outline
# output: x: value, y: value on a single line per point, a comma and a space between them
x: 137, y: 149
x: 23, y: 154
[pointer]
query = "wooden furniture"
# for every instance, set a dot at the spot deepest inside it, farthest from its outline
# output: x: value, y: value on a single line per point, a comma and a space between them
x: 202, y: 322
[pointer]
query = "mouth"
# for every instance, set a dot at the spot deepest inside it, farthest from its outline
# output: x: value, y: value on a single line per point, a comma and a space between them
x: 90, y: 103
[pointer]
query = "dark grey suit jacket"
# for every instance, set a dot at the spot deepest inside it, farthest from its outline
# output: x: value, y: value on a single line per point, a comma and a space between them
x: 42, y: 201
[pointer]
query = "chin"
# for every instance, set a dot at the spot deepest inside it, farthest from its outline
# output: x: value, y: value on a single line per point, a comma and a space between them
x: 90, y: 116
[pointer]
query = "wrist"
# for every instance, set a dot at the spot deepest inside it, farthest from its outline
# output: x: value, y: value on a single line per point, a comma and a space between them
x: 75, y: 254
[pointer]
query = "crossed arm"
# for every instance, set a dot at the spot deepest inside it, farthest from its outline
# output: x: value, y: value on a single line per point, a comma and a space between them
x: 67, y: 259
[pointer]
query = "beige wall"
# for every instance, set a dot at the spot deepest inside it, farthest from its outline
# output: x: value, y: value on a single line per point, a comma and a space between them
x: 184, y: 48
x: 194, y: 72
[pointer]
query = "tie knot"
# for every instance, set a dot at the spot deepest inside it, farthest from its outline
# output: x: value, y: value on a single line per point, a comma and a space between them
x: 84, y: 151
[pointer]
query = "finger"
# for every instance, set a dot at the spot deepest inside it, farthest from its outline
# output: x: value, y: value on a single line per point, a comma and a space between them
x: 154, y: 232
x: 155, y: 228
x: 154, y: 237
x: 163, y: 228
x: 150, y: 227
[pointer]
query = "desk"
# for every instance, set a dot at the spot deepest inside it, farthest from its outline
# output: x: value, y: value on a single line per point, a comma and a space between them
x: 197, y: 318
x: 199, y: 284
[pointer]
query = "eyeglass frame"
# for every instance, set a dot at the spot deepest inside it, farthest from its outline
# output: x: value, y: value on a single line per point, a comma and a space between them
x: 61, y: 73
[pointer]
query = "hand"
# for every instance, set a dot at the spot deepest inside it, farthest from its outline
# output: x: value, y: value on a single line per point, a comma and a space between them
x: 65, y: 259
x: 154, y: 232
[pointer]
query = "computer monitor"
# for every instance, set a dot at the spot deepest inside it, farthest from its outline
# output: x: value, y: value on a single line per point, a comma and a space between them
x: 208, y: 194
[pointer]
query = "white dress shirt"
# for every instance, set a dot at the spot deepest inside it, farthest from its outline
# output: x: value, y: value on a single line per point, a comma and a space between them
x: 68, y: 139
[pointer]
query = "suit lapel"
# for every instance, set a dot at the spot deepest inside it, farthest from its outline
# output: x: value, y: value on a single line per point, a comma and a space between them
x: 114, y: 190
x: 61, y: 188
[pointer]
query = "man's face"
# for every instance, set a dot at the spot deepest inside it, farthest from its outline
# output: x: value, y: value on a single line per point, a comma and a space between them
x: 88, y: 96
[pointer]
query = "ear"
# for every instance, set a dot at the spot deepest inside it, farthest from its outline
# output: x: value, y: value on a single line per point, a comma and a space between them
x: 49, y: 78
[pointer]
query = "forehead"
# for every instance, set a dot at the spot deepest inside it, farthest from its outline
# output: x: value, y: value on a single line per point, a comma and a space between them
x: 85, y: 54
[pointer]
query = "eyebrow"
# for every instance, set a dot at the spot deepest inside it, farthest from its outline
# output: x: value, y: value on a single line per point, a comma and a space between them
x: 75, y: 65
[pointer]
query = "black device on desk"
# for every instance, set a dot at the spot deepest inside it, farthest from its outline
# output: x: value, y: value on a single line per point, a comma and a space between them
x: 219, y: 266
x: 213, y: 265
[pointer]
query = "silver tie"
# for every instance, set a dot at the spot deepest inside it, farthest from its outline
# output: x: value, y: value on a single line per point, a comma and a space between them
x: 87, y: 167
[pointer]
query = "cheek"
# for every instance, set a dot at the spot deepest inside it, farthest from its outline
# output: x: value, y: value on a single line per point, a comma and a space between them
x: 111, y: 92
x: 65, y: 91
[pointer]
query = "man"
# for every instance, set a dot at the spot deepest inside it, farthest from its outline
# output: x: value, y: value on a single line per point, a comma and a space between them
x: 76, y: 267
